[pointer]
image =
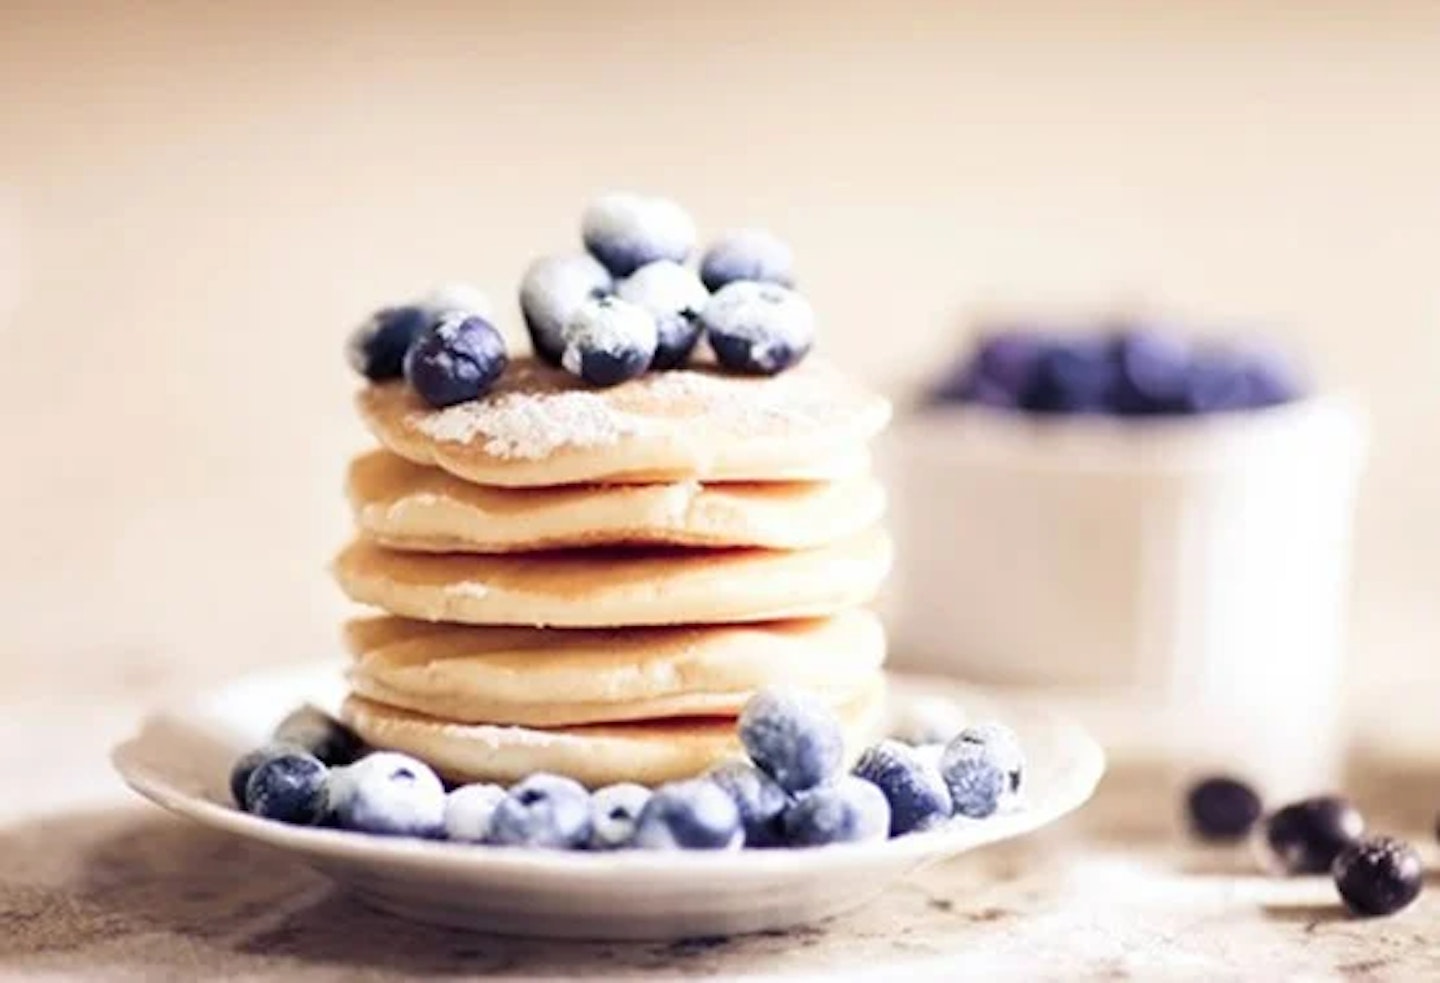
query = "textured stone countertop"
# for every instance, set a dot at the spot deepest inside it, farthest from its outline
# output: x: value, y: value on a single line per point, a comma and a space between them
x: 95, y: 882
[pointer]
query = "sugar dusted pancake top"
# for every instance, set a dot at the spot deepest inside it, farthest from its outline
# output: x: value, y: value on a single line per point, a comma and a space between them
x: 541, y: 426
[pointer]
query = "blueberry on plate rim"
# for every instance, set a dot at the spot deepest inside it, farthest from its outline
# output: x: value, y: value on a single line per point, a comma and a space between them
x: 388, y: 794
x: 1005, y: 746
x: 320, y: 734
x: 614, y: 814
x: 759, y: 799
x: 976, y: 778
x: 689, y: 815
x: 918, y: 796
x: 290, y: 787
x: 470, y: 812
x: 848, y: 810
x: 544, y: 810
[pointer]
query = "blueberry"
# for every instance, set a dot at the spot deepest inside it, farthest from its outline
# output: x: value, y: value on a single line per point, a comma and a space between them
x: 850, y: 810
x: 747, y: 254
x: 614, y: 812
x: 916, y: 793
x: 1306, y: 836
x: 320, y: 734
x: 292, y: 787
x: 1004, y: 744
x: 1222, y: 809
x: 389, y: 794
x: 759, y: 328
x: 792, y: 737
x: 1009, y: 359
x: 690, y: 815
x: 1271, y: 377
x: 469, y: 811
x: 1072, y: 375
x: 459, y: 297
x: 626, y: 231
x: 759, y: 800
x: 377, y: 348
x: 674, y: 297
x: 243, y: 768
x: 544, y: 810
x: 1152, y: 372
x: 975, y: 778
x: 457, y: 358
x: 1378, y: 876
x: 608, y: 340
x: 551, y: 291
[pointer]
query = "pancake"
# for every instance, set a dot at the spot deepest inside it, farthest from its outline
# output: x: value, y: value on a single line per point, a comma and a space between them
x: 539, y: 677
x: 609, y: 588
x: 409, y: 507
x: 541, y: 426
x: 648, y: 752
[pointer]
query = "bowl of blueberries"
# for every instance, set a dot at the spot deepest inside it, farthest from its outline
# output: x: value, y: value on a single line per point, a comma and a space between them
x: 789, y: 831
x: 1135, y: 510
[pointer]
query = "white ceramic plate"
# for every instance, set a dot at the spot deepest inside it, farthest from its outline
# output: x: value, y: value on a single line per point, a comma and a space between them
x: 181, y: 760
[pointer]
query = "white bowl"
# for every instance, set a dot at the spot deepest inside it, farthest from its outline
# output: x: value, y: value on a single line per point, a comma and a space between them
x: 1195, y: 568
x: 181, y: 760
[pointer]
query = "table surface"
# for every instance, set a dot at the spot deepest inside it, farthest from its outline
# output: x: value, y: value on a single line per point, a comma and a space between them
x: 95, y: 882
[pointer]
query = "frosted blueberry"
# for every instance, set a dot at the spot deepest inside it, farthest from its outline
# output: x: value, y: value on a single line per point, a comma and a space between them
x: 690, y: 815
x: 458, y: 358
x: 1006, y: 746
x: 758, y: 328
x: 544, y: 810
x: 552, y: 289
x: 674, y: 297
x: 291, y: 786
x: 759, y: 800
x: 608, y: 340
x: 748, y: 254
x: 625, y: 231
x: 469, y: 811
x: 459, y: 297
x: 850, y: 810
x: 614, y: 812
x: 377, y: 348
x: 320, y: 734
x: 917, y: 795
x: 388, y: 794
x: 793, y: 737
x: 245, y: 766
x: 976, y: 779
x: 1152, y: 369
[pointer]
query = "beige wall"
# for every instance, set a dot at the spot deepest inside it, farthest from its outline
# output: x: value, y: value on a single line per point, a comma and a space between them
x: 197, y: 199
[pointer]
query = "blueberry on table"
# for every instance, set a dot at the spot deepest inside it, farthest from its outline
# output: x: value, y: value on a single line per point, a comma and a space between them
x: 1004, y: 744
x: 551, y: 291
x: 1222, y: 809
x: 917, y: 795
x: 626, y: 231
x: 849, y: 810
x: 674, y: 297
x: 608, y: 340
x: 1305, y: 837
x: 757, y: 255
x: 690, y: 815
x: 544, y: 810
x: 614, y: 813
x: 470, y: 810
x: 758, y: 328
x: 291, y: 787
x: 245, y: 766
x: 976, y: 780
x: 388, y: 794
x: 1378, y: 876
x: 458, y: 358
x: 320, y: 734
x: 792, y: 737
x: 377, y: 348
x: 758, y: 798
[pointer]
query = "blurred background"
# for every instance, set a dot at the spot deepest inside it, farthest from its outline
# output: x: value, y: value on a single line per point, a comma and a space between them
x: 198, y: 201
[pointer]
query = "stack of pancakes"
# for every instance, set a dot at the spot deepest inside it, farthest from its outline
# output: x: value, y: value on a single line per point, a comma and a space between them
x: 593, y: 582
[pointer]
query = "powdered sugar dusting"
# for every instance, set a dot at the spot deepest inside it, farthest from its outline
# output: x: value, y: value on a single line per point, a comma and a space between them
x: 530, y: 428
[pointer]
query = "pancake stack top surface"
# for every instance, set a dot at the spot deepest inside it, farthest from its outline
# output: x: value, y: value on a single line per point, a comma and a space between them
x: 588, y: 567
